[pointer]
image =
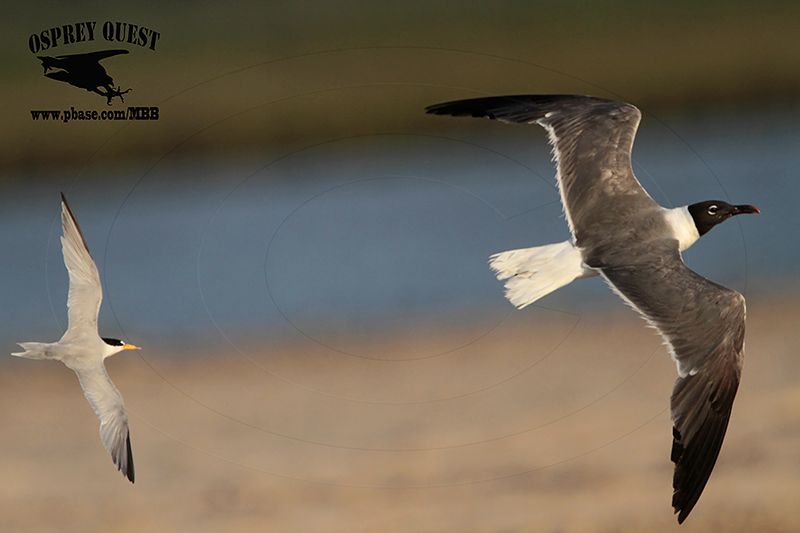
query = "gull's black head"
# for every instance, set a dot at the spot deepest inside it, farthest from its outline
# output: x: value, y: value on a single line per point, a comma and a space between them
x: 708, y: 214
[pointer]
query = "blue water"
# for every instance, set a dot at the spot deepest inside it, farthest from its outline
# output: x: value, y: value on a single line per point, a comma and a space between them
x: 373, y: 232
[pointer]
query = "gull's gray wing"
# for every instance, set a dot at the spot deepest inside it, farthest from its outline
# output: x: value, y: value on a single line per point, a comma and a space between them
x: 592, y: 139
x: 85, y: 291
x: 703, y: 324
x: 107, y: 404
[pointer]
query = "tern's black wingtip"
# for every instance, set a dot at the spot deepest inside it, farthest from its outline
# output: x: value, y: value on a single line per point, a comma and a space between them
x: 63, y: 198
x: 129, y: 473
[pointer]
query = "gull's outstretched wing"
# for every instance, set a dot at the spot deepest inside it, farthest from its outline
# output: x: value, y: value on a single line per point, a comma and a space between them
x: 107, y: 404
x: 85, y: 291
x: 592, y: 139
x: 703, y: 324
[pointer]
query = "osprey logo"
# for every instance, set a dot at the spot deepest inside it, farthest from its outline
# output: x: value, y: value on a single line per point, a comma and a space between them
x: 84, y: 71
x: 90, y: 70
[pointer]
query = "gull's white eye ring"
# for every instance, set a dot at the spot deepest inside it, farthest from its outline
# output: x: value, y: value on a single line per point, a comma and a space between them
x: 712, y: 210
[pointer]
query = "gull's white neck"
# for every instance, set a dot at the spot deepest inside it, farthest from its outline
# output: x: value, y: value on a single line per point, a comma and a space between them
x: 682, y: 225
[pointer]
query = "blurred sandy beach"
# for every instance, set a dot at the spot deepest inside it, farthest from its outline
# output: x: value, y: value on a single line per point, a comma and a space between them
x: 547, y: 423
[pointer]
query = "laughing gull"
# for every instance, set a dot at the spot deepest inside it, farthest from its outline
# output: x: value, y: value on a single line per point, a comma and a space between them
x: 619, y: 232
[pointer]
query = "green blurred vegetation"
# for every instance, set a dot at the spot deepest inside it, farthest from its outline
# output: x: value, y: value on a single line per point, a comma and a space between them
x: 663, y: 57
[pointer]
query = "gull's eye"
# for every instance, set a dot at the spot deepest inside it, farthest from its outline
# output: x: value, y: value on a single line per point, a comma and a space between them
x: 712, y: 210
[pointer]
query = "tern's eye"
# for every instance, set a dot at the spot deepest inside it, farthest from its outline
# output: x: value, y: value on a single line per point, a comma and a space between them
x: 712, y: 210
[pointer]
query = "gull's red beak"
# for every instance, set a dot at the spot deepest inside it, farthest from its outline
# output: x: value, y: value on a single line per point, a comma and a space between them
x: 746, y: 210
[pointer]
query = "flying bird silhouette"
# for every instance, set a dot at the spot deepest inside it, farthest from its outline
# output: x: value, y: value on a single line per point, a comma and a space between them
x: 619, y: 232
x: 81, y: 348
x: 84, y: 71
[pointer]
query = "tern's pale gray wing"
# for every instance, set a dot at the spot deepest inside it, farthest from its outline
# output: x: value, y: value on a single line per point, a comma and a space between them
x: 592, y: 140
x: 107, y: 404
x: 85, y: 291
x: 703, y: 324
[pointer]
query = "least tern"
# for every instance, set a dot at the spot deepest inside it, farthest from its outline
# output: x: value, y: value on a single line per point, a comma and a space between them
x: 619, y: 232
x: 83, y: 350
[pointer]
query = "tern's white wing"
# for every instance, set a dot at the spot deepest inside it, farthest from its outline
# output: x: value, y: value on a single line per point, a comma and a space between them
x: 107, y: 404
x: 85, y: 291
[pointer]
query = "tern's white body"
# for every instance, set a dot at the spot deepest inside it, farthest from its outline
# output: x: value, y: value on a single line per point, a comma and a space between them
x: 76, y: 354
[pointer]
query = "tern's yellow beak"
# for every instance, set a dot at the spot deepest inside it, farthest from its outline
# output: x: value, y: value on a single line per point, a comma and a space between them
x: 127, y: 346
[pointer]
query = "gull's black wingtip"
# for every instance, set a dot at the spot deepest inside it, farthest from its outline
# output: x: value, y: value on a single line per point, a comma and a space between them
x: 680, y: 504
x: 683, y: 510
x: 523, y: 108
x: 63, y: 198
x: 474, y: 107
x: 437, y: 109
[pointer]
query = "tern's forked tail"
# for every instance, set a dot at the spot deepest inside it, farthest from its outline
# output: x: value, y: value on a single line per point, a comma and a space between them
x: 34, y: 350
x: 533, y: 273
